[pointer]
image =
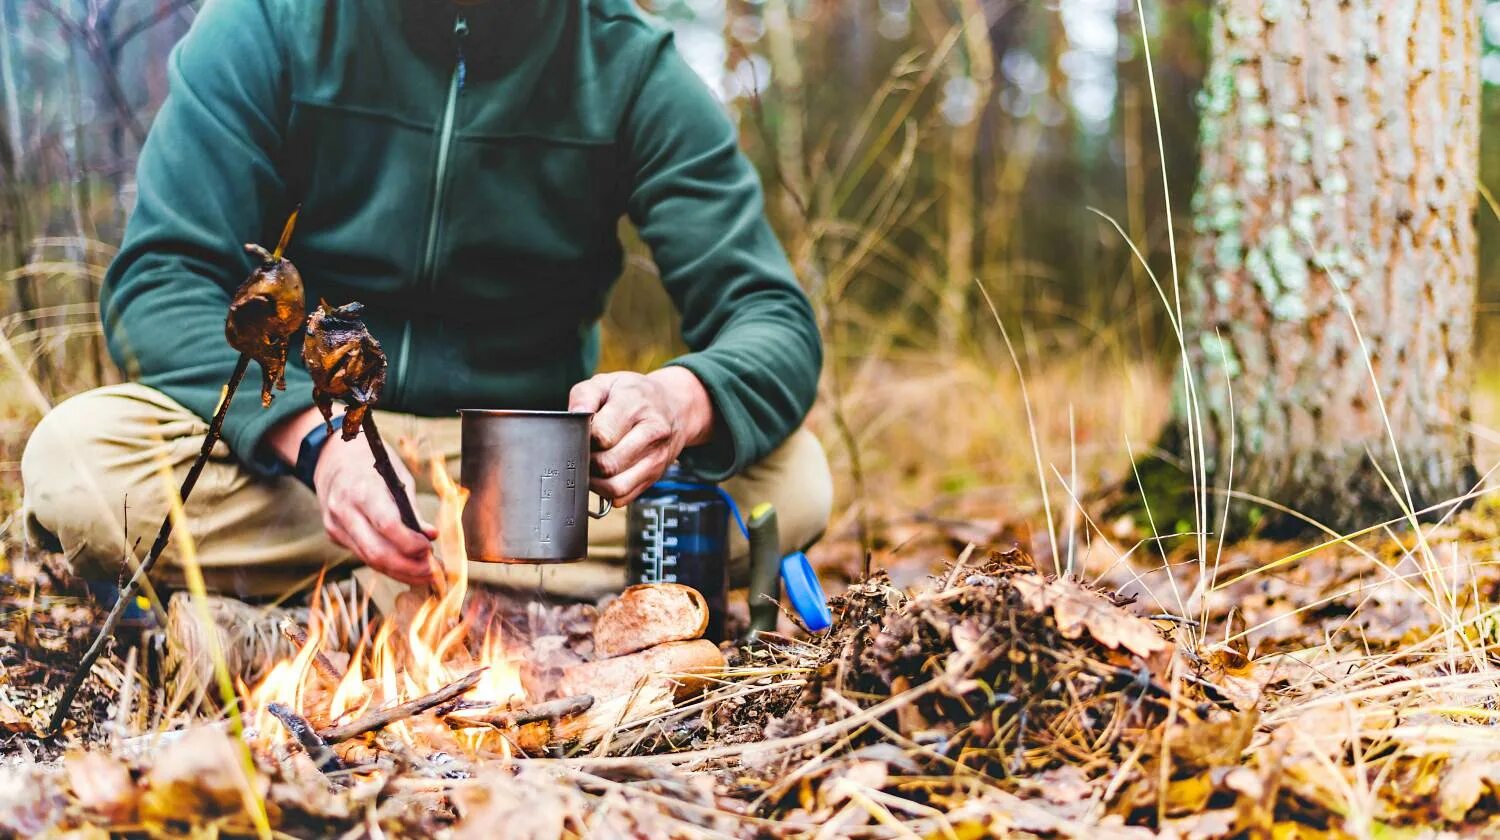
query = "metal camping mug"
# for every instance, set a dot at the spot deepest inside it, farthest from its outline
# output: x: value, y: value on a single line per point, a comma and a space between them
x: 527, y: 473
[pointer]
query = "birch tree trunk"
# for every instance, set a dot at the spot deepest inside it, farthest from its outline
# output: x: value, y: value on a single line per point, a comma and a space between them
x: 1339, y: 144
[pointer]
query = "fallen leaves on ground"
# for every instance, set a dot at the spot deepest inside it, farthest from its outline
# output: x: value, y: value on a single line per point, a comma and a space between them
x: 1347, y: 695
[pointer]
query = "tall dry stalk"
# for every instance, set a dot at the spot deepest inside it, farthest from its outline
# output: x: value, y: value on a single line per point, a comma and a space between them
x: 974, y: 75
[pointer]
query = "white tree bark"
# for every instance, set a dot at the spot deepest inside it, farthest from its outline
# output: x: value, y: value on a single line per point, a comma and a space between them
x: 1339, y: 146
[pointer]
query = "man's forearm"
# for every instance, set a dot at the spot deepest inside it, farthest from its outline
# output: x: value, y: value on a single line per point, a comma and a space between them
x: 284, y: 439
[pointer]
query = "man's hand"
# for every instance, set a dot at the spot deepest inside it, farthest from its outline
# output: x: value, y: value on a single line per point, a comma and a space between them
x: 641, y: 424
x: 358, y: 512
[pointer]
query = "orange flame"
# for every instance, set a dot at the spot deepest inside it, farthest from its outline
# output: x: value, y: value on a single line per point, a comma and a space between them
x: 406, y: 656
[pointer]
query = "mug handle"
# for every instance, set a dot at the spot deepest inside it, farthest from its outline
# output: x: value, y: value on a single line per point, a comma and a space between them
x: 604, y: 508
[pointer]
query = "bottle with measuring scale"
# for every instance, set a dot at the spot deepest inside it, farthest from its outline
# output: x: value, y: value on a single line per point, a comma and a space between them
x: 678, y: 532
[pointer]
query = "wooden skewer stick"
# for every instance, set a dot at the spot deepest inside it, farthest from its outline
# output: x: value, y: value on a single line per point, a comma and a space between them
x: 163, y: 535
x: 510, y: 718
x: 381, y: 718
x: 294, y: 633
x: 286, y: 233
x: 388, y: 472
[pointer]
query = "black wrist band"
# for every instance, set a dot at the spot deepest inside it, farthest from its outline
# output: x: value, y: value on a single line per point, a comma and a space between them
x: 312, y: 449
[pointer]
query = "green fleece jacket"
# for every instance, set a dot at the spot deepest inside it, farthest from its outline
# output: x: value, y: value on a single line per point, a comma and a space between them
x: 462, y: 171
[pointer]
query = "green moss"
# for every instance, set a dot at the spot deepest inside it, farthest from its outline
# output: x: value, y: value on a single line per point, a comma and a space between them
x: 1336, y: 258
x: 1288, y: 263
x: 1217, y: 95
x: 1243, y: 26
x: 1333, y: 140
x: 1220, y: 354
x: 1280, y: 271
x: 1305, y: 210
x: 1224, y: 218
x: 1229, y: 252
x: 1291, y: 306
x: 1259, y: 269
x: 1254, y: 160
x: 1248, y: 88
x: 1301, y: 150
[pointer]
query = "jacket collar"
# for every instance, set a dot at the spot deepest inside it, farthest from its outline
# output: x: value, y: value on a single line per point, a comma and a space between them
x: 498, y: 35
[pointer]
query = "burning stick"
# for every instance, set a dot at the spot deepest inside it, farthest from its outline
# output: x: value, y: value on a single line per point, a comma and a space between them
x: 297, y: 636
x: 382, y: 718
x: 511, y: 718
x: 347, y: 364
x: 317, y: 749
x: 266, y: 309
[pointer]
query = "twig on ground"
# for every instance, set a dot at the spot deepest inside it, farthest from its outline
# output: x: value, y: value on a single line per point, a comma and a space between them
x: 510, y: 718
x: 163, y: 535
x: 381, y: 718
x: 326, y: 760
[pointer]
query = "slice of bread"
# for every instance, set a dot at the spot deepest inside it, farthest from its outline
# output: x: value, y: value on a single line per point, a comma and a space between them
x: 685, y: 667
x: 649, y: 614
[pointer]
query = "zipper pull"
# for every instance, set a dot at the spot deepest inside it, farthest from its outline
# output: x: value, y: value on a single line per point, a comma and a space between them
x: 460, y: 32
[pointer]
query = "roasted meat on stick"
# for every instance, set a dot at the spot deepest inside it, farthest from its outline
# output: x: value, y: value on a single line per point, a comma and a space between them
x: 347, y: 364
x: 266, y: 310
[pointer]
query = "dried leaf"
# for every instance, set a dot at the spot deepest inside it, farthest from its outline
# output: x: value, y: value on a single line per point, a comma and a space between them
x: 1064, y: 785
x: 30, y: 803
x: 1215, y: 743
x: 1464, y: 785
x: 12, y: 721
x: 1245, y: 782
x: 517, y: 810
x: 102, y: 785
x: 1209, y: 825
x: 198, y: 775
x: 1077, y: 609
x: 1188, y: 796
x: 856, y: 775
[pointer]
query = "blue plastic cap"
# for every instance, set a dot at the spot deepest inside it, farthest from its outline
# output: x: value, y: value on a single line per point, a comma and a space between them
x: 805, y: 592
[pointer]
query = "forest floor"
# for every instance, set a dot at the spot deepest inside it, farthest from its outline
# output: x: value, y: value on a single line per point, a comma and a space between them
x: 1348, y: 692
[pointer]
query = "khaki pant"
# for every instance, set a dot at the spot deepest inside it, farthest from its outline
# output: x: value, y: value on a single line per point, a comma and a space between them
x: 93, y: 486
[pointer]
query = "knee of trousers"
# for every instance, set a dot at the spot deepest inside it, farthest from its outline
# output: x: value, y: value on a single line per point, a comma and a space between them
x: 807, y: 492
x: 72, y: 485
x: 797, y: 480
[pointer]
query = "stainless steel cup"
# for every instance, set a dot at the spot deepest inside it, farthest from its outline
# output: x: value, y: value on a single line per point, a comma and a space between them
x: 527, y: 473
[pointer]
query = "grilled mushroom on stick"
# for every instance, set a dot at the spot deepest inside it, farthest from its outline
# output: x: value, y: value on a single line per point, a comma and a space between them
x: 347, y: 364
x: 266, y: 310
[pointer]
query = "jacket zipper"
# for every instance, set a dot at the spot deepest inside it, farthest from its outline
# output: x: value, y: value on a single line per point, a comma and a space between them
x: 439, y: 188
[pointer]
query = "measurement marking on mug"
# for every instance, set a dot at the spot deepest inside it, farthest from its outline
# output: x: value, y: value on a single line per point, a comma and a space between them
x: 572, y: 485
x: 544, y: 511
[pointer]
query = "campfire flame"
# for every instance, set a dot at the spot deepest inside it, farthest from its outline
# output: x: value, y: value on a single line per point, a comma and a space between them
x: 406, y: 656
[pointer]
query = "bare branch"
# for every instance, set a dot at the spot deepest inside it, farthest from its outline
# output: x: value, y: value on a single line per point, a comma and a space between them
x: 69, y: 25
x: 381, y: 718
x: 146, y: 23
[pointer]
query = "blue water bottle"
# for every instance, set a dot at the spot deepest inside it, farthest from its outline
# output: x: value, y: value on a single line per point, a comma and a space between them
x: 678, y: 532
